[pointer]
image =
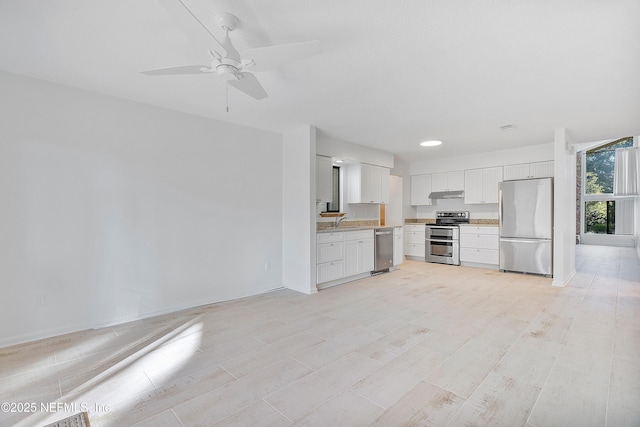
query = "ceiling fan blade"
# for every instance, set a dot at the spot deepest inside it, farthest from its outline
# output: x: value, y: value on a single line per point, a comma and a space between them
x: 249, y: 84
x: 183, y: 69
x: 191, y: 26
x: 270, y: 57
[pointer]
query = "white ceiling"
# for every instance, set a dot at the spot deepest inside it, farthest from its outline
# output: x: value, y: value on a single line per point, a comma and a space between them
x: 393, y: 73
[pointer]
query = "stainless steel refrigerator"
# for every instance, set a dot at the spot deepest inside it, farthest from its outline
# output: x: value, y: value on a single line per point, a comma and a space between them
x: 526, y: 226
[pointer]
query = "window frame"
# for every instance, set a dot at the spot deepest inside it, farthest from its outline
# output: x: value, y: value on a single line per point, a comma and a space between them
x: 335, y: 171
x: 603, y: 197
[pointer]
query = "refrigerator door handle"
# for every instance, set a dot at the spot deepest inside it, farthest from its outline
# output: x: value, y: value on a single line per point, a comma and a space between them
x: 500, y: 207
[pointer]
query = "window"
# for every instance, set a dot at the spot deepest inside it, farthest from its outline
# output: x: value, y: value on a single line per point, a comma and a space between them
x: 599, y: 206
x: 334, y: 204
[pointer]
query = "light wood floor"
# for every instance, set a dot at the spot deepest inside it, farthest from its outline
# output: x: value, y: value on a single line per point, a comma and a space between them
x: 425, y: 345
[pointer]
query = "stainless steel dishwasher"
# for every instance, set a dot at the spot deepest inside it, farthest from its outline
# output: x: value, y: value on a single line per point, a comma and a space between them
x: 384, y: 249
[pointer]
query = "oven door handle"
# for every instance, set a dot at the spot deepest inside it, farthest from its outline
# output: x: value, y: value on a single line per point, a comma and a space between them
x: 442, y: 240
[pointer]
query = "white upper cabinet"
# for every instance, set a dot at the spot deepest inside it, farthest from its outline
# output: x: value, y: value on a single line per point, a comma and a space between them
x: 447, y: 181
x: 473, y: 186
x: 324, y: 174
x: 368, y: 183
x: 481, y: 185
x: 420, y: 190
x: 541, y: 169
x: 528, y: 171
x: 491, y: 179
x: 439, y: 181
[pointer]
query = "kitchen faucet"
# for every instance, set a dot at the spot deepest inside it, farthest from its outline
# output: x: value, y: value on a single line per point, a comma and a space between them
x: 339, y: 220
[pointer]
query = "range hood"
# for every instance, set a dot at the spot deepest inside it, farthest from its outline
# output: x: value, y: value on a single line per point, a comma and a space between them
x: 459, y: 194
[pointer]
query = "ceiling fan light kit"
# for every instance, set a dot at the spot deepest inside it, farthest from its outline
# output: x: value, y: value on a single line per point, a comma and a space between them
x: 227, y: 72
x: 431, y: 143
x: 226, y: 62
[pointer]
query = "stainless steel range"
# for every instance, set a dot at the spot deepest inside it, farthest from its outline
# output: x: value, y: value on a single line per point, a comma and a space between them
x: 442, y: 240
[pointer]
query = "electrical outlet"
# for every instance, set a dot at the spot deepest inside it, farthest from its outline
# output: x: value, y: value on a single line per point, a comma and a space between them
x: 267, y: 266
x: 41, y: 300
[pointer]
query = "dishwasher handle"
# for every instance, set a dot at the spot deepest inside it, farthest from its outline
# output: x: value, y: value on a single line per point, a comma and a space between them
x: 382, y: 233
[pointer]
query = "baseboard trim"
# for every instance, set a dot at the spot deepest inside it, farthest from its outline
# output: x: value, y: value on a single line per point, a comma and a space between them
x: 71, y: 329
x: 337, y: 282
x: 561, y: 284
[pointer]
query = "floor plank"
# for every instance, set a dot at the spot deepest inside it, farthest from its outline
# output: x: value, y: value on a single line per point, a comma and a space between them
x: 427, y: 344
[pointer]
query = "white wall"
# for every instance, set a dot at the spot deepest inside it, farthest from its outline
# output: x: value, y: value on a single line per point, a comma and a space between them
x: 331, y: 147
x: 114, y: 210
x: 401, y: 169
x: 476, y: 211
x: 299, y: 204
x: 529, y: 154
x: 394, y: 210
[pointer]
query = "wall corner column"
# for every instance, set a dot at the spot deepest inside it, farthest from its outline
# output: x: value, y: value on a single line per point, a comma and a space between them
x: 564, y: 218
x: 299, y: 209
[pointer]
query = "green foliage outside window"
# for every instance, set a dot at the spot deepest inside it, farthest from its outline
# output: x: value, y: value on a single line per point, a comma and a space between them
x: 599, y: 216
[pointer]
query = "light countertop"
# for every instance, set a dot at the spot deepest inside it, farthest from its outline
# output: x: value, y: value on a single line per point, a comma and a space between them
x: 355, y: 228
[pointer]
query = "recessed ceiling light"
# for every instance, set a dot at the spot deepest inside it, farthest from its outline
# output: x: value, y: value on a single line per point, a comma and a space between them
x: 431, y: 143
x: 339, y: 161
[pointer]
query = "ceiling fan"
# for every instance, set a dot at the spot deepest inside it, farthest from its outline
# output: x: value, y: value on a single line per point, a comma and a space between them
x: 226, y: 61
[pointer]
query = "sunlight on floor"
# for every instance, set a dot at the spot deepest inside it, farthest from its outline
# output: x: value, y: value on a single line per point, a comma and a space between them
x: 116, y: 377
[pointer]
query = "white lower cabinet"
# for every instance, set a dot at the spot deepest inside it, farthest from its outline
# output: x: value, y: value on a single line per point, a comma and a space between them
x: 327, y: 252
x: 414, y: 241
x: 329, y: 271
x: 329, y: 256
x: 359, y: 252
x: 341, y: 255
x: 479, y: 245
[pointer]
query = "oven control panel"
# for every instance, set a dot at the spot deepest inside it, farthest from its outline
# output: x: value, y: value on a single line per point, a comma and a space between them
x: 458, y: 214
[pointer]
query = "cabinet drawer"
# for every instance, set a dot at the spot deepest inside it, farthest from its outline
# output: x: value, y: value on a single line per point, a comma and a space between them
x: 414, y: 250
x: 358, y: 235
x: 415, y: 237
x: 329, y: 271
x: 479, y: 241
x: 480, y: 256
x: 327, y: 252
x: 329, y: 237
x: 414, y: 227
x: 481, y: 229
